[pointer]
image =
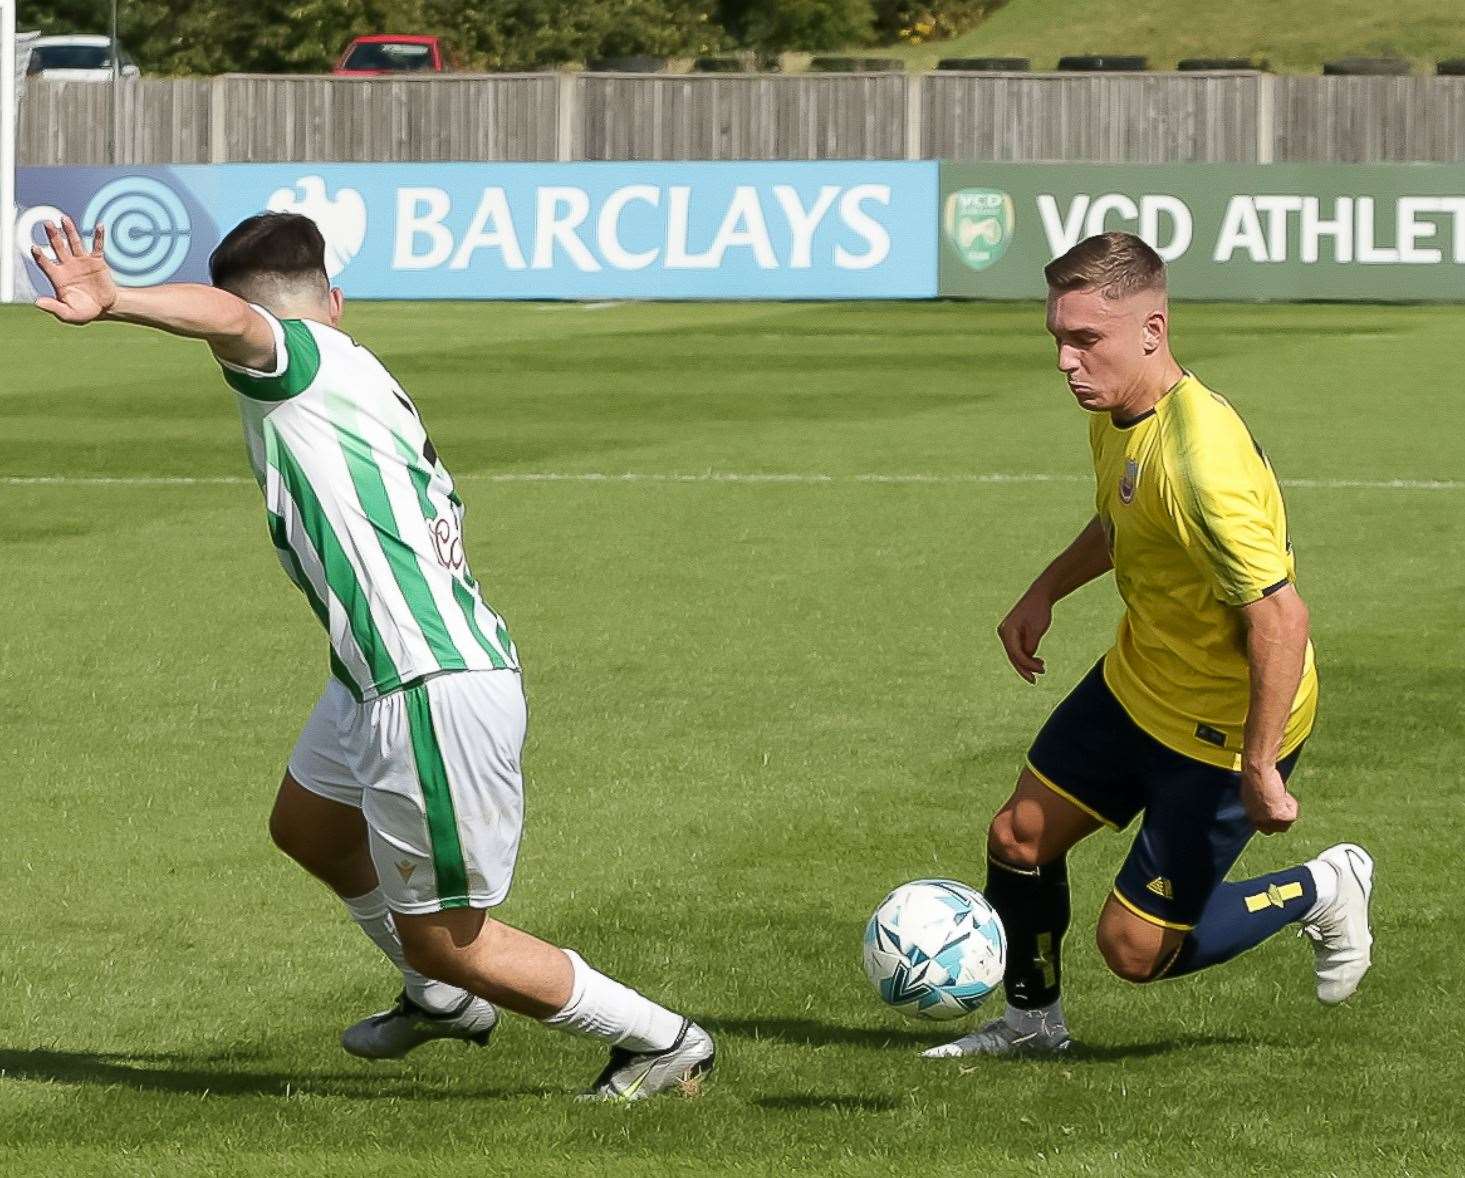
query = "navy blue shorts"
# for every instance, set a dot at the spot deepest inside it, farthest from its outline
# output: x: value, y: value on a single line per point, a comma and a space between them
x: 1194, y: 825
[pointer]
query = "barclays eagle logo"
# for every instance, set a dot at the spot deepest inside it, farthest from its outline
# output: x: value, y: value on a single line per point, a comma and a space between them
x: 342, y: 220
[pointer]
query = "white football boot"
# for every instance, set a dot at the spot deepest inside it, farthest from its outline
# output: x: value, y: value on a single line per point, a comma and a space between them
x: 635, y: 1075
x: 393, y: 1033
x: 999, y: 1037
x: 1340, y: 933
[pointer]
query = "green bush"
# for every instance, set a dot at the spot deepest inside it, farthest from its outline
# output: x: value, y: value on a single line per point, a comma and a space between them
x: 301, y: 36
x: 295, y: 36
x: 774, y: 25
x: 916, y: 21
x: 532, y: 34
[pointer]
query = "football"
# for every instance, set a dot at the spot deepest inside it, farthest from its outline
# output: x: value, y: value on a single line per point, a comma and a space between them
x: 934, y: 949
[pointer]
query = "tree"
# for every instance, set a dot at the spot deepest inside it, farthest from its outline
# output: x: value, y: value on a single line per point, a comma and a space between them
x: 928, y: 20
x: 775, y: 25
x: 212, y: 36
x: 296, y: 36
x: 532, y: 34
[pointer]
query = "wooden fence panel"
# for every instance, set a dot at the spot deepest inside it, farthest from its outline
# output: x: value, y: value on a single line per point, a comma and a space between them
x: 1117, y: 118
x: 733, y: 117
x: 509, y: 117
x: 1370, y: 120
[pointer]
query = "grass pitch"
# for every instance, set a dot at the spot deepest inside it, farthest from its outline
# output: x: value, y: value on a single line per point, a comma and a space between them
x: 1294, y: 37
x: 758, y: 702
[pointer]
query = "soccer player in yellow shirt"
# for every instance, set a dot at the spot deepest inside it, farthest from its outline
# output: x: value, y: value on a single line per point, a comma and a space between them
x: 1196, y: 716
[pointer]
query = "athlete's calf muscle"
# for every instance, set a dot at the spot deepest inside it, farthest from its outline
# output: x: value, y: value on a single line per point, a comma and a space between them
x: 466, y: 947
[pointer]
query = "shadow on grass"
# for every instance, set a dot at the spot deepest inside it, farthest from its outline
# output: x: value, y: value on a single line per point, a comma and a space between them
x: 807, y: 1032
x: 1109, y: 1052
x: 802, y: 1032
x: 223, y: 1076
x: 833, y: 1102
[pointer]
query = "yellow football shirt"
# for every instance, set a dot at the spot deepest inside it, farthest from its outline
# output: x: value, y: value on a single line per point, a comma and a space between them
x: 1196, y: 528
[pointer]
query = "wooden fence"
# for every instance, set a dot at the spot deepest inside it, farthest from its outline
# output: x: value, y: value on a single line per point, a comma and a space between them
x: 1115, y: 118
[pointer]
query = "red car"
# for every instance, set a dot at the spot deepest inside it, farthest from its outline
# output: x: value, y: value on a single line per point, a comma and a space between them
x: 390, y: 53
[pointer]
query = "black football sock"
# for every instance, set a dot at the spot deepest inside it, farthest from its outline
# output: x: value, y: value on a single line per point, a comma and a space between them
x: 1033, y: 905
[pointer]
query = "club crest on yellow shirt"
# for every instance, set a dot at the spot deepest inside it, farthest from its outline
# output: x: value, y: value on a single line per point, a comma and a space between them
x: 1128, y: 480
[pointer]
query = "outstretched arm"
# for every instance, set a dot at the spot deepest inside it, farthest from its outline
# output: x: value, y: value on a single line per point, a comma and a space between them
x: 1024, y: 626
x: 85, y: 292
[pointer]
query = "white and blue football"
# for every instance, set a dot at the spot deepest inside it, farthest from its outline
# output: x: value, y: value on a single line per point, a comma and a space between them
x: 935, y: 949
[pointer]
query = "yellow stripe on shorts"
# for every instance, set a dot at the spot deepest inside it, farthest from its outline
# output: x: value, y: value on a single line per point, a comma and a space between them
x: 1063, y: 793
x: 1143, y: 915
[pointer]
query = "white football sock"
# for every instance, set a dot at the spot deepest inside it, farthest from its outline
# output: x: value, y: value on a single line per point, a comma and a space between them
x: 1028, y: 1021
x: 604, y: 1009
x: 1325, y: 880
x: 371, y: 913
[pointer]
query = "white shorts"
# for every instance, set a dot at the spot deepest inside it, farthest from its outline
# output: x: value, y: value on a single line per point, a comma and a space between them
x: 434, y: 770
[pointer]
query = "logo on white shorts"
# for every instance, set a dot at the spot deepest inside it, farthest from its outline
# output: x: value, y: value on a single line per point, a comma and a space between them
x: 405, y: 869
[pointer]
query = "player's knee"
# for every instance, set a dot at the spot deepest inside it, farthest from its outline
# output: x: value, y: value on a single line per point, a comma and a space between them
x: 1127, y: 958
x: 1007, y: 843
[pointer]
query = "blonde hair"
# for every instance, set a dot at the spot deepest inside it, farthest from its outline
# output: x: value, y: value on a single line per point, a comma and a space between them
x: 1115, y: 264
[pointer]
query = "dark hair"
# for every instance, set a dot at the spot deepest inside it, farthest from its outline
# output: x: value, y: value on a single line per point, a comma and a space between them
x: 1115, y: 264
x: 279, y: 247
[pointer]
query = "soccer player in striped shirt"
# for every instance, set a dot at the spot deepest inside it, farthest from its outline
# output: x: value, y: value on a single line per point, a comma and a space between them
x: 404, y: 793
x: 1197, y: 715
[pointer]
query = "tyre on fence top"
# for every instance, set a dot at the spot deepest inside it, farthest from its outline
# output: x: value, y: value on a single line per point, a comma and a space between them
x: 1451, y: 67
x: 990, y: 65
x: 1221, y: 63
x: 856, y: 65
x: 1103, y: 63
x: 722, y: 65
x: 640, y: 63
x: 1361, y: 66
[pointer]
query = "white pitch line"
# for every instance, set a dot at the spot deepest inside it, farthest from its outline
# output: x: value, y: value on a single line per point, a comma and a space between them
x: 130, y: 480
x: 1379, y: 484
x: 713, y: 476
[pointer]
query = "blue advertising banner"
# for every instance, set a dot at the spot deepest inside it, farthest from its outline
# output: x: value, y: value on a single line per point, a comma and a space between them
x: 819, y: 230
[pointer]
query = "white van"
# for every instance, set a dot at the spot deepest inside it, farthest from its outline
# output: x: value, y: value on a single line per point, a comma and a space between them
x: 77, y: 58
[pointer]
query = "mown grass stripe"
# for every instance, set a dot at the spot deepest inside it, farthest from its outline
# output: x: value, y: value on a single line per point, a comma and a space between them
x: 734, y: 477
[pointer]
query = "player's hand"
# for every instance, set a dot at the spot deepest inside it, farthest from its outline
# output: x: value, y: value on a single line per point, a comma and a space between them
x: 84, y: 287
x: 1268, y: 804
x: 1021, y: 631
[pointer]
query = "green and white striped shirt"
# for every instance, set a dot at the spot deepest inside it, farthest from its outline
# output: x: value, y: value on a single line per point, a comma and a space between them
x: 364, y: 516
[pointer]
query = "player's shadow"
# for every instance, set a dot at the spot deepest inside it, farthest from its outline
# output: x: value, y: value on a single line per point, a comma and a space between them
x: 840, y: 1102
x: 804, y: 1032
x: 165, y: 1072
x: 1110, y: 1052
x: 807, y: 1032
